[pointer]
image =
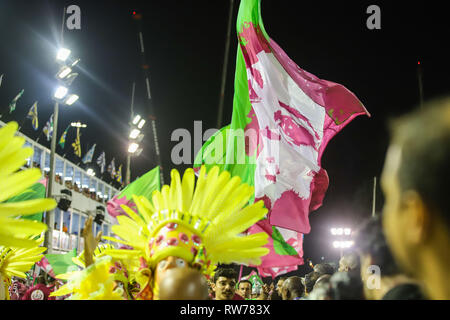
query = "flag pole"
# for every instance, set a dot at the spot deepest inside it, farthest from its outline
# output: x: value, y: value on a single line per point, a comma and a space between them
x: 419, y: 77
x: 240, y: 273
x: 374, y: 195
x: 225, y: 67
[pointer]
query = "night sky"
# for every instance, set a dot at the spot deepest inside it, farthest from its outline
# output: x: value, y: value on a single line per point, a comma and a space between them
x: 185, y: 43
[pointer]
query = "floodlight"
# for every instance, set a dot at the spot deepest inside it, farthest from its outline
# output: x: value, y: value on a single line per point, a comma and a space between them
x: 63, y: 54
x: 63, y: 72
x: 141, y: 124
x: 71, y: 99
x: 134, y: 133
x: 61, y: 92
x: 133, y: 147
x: 136, y: 119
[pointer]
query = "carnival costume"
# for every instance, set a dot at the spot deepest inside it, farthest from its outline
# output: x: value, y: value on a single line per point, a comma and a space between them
x: 20, y: 239
x: 201, y: 223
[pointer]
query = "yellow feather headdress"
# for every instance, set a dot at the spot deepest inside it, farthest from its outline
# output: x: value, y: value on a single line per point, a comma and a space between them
x: 19, y: 249
x: 200, y: 222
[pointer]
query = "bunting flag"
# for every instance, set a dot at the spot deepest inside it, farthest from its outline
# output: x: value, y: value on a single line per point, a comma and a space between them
x: 101, y: 161
x: 143, y: 186
x: 285, y: 117
x: 254, y: 278
x: 48, y: 129
x: 12, y: 105
x: 112, y: 168
x: 77, y: 145
x: 62, y: 140
x: 62, y: 263
x: 119, y: 174
x: 33, y: 115
x: 89, y: 155
x: 35, y: 191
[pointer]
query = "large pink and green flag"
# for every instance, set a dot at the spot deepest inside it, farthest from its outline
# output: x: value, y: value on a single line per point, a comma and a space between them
x: 143, y: 186
x: 288, y: 116
x: 283, y: 118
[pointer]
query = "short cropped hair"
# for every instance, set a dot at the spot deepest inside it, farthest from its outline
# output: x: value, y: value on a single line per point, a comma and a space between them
x: 370, y: 240
x: 229, y: 273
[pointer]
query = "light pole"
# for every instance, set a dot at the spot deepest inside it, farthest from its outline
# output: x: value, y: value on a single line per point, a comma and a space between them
x: 134, y: 138
x: 65, y: 77
x: 343, y: 234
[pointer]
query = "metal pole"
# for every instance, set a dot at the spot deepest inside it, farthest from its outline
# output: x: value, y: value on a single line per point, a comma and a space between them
x: 225, y: 66
x: 149, y: 98
x: 419, y: 76
x: 50, y: 217
x: 128, y: 173
x: 374, y: 195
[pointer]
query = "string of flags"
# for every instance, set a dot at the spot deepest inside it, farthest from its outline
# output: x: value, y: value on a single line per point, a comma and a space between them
x: 47, y: 130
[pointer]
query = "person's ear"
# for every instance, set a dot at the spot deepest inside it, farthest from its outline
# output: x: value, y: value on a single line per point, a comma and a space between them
x: 213, y: 286
x: 416, y: 217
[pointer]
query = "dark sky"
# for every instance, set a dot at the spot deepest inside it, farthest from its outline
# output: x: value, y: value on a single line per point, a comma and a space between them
x: 185, y: 43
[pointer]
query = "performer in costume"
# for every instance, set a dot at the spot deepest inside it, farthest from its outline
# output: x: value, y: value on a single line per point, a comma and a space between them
x: 187, y: 225
x: 19, y: 239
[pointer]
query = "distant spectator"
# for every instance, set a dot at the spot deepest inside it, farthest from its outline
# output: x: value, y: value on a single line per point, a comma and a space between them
x: 245, y: 289
x: 310, y: 280
x: 324, y: 268
x: 349, y: 262
x: 374, y: 251
x: 346, y: 286
x: 280, y: 285
x: 416, y: 216
x: 292, y: 289
x: 224, y: 284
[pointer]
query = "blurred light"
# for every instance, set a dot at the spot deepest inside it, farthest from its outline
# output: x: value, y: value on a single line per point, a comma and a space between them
x: 63, y: 54
x: 141, y: 124
x: 46, y: 169
x: 64, y: 72
x: 90, y: 172
x: 138, y: 152
x: 347, y: 231
x: 92, y: 189
x: 85, y: 186
x: 333, y: 231
x: 78, y: 125
x: 339, y: 231
x: 61, y: 92
x: 134, y: 12
x: 418, y: 62
x: 133, y: 147
x: 134, y: 133
x: 68, y: 178
x: 71, y: 99
x: 336, y: 244
x: 75, y: 62
x: 136, y: 119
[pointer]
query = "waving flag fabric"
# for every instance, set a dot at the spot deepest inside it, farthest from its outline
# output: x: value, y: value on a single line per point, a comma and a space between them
x: 33, y: 115
x: 101, y: 161
x: 89, y: 155
x: 143, y: 186
x: 62, y: 140
x: 288, y: 116
x: 12, y: 104
x: 112, y: 168
x: 119, y: 174
x: 48, y: 129
x: 77, y: 144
